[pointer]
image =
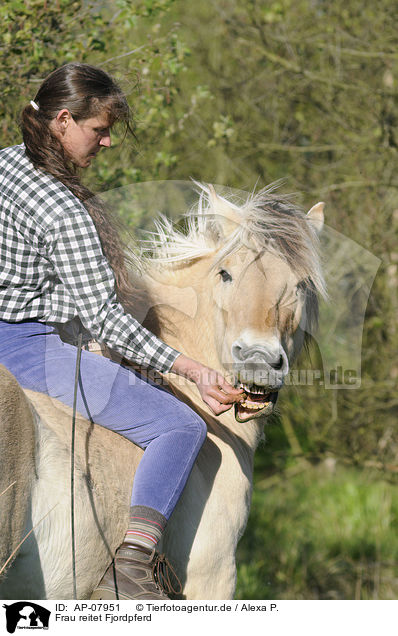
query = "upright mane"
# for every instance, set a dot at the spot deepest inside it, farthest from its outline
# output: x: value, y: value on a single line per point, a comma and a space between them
x: 264, y: 220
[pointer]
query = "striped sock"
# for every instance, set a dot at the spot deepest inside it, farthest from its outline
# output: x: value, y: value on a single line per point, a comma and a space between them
x: 146, y: 526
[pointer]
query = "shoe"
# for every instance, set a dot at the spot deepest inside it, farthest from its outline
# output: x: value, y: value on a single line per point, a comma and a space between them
x: 137, y: 573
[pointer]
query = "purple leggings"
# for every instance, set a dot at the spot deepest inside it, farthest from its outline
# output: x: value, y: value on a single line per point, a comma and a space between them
x: 117, y: 398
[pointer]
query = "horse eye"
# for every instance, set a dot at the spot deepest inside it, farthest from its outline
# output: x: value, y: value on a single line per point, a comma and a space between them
x: 226, y: 277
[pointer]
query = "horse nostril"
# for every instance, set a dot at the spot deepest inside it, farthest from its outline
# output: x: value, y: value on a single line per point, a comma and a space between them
x: 277, y: 365
x: 237, y: 351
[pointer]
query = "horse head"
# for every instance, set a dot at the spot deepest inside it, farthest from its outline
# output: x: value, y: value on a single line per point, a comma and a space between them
x: 256, y: 272
x: 266, y: 275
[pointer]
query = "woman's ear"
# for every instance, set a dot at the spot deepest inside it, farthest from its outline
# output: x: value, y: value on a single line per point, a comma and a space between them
x: 62, y: 120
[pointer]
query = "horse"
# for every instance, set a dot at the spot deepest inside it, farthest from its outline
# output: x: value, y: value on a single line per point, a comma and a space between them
x: 235, y: 285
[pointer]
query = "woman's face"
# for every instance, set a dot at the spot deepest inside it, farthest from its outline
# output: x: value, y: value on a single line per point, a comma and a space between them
x: 83, y: 139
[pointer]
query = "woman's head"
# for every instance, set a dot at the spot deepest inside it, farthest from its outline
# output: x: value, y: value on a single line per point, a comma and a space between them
x: 77, y: 106
x: 83, y: 139
x: 65, y: 126
x: 86, y: 91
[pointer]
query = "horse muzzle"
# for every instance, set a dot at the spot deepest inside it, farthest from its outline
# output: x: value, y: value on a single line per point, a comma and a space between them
x: 256, y: 404
x: 260, y: 370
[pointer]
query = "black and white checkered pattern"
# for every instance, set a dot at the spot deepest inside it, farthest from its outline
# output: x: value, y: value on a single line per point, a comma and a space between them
x: 52, y: 267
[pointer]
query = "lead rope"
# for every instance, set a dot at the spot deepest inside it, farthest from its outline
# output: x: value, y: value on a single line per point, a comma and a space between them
x: 72, y: 467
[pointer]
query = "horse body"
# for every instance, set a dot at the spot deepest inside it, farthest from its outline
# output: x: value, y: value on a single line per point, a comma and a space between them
x: 225, y: 297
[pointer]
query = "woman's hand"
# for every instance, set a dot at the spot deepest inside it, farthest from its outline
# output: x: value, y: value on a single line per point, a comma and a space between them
x: 215, y: 391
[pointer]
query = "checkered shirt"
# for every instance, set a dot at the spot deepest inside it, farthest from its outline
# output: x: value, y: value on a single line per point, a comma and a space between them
x: 52, y: 267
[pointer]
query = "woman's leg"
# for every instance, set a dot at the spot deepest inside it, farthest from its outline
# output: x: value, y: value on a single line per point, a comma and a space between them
x: 117, y: 398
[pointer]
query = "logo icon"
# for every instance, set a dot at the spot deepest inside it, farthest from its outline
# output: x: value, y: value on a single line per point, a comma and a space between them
x: 26, y: 615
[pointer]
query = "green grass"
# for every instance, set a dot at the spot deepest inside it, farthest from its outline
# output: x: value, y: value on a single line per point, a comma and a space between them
x: 321, y: 536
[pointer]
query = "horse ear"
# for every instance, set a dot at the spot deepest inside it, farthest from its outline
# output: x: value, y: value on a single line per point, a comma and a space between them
x: 316, y: 217
x: 227, y: 218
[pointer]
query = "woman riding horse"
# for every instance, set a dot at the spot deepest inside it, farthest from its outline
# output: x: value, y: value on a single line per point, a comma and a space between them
x: 62, y: 266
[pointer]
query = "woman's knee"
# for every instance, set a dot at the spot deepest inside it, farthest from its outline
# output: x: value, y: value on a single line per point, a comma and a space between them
x: 197, y: 426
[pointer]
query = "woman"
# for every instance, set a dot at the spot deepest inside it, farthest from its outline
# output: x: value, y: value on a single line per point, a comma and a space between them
x: 62, y: 264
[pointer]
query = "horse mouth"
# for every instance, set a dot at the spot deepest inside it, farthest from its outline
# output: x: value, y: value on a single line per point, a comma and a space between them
x: 258, y: 403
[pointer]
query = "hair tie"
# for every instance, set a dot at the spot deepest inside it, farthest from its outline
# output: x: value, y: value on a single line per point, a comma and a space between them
x: 34, y: 105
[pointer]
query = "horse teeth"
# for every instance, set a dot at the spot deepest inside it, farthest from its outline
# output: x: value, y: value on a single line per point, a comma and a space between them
x: 251, y: 389
x: 251, y: 405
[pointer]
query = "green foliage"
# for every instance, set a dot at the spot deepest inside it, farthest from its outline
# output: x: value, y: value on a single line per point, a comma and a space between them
x: 321, y: 535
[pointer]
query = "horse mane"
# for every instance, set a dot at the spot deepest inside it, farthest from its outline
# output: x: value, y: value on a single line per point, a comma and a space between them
x: 266, y: 221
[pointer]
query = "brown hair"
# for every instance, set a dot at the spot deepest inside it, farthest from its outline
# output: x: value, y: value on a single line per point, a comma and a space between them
x: 86, y: 91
